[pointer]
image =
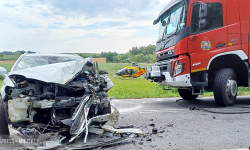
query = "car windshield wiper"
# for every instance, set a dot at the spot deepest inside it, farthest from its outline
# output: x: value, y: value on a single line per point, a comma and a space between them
x: 163, y: 46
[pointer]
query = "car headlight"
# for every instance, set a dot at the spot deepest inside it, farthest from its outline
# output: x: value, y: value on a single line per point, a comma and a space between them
x: 178, y: 68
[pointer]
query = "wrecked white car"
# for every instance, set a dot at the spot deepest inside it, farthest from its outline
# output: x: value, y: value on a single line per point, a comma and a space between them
x: 58, y: 98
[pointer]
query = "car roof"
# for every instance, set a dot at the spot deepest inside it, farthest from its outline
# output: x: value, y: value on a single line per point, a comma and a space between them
x: 50, y: 55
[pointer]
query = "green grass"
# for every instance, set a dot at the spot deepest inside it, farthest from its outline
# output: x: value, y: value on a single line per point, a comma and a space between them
x: 9, y: 57
x: 6, y: 66
x: 136, y: 88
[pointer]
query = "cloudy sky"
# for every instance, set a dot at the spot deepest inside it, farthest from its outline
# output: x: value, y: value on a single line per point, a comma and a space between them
x: 78, y: 26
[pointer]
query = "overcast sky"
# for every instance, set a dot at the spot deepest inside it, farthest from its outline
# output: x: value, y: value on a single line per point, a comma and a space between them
x: 78, y: 26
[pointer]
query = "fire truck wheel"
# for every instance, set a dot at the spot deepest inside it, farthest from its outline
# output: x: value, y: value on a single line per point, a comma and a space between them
x: 186, y: 94
x: 3, y: 122
x: 225, y: 87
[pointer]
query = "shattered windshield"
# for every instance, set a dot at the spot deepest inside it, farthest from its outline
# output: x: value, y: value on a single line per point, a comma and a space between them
x: 34, y: 61
x: 174, y: 19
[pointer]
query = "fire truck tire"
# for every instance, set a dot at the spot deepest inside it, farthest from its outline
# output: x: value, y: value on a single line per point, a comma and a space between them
x: 186, y: 94
x: 3, y: 122
x: 225, y: 87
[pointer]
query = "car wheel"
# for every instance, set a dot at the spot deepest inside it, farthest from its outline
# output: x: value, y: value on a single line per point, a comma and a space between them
x: 3, y: 121
x: 186, y: 94
x: 225, y: 87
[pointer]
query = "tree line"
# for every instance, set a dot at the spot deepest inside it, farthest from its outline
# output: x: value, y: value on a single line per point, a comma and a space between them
x: 142, y: 54
x: 19, y: 52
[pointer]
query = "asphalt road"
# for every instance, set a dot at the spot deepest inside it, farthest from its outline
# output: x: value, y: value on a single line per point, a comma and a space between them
x: 182, y: 128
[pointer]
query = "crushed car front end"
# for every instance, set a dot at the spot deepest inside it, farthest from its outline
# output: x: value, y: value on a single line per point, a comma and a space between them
x: 59, y: 99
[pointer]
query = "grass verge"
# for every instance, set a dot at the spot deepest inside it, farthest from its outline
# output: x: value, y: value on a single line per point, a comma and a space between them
x: 9, y: 57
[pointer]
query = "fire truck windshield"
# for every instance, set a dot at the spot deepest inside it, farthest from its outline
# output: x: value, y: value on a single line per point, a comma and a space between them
x: 173, y: 20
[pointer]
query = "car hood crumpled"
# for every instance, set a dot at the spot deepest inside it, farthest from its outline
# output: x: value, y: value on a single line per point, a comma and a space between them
x: 60, y: 73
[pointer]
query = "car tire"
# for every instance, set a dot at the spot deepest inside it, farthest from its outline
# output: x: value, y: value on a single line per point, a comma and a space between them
x: 225, y: 87
x: 3, y: 121
x: 186, y: 94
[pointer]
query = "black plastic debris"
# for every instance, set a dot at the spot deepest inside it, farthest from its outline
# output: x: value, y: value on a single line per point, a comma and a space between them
x: 154, y: 130
x: 152, y: 125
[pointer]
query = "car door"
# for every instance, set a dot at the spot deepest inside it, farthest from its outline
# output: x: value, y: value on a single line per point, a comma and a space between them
x: 205, y: 42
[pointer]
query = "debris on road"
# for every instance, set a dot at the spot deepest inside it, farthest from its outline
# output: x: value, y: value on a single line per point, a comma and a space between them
x: 154, y: 130
x: 123, y: 127
x: 170, y: 125
x: 141, y: 143
x: 148, y: 138
x: 152, y: 125
x: 162, y: 131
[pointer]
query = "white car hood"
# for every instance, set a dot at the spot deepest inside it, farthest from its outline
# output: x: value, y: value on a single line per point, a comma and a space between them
x: 59, y: 73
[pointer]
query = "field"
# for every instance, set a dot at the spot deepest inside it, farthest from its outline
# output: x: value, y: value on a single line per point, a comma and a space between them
x: 9, y: 57
x: 134, y: 88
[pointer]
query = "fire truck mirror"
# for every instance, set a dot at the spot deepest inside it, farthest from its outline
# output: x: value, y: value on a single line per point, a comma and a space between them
x: 203, y: 10
x: 164, y: 23
x: 156, y: 21
x: 202, y: 23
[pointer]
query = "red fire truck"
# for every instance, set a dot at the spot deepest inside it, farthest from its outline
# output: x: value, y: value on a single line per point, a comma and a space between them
x: 203, y: 45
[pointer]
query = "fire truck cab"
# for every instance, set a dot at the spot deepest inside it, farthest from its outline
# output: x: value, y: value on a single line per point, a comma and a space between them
x: 203, y: 45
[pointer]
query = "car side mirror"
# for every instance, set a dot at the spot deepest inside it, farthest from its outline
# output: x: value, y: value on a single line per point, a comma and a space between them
x: 3, y: 71
x: 203, y: 10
